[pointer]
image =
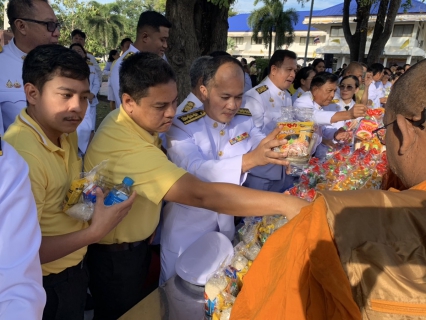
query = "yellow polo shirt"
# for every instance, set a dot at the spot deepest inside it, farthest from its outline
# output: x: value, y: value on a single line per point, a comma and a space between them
x: 51, y: 171
x: 131, y: 151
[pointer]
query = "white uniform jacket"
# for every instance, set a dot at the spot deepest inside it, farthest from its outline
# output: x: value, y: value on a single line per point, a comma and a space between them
x: 212, y: 152
x: 264, y: 102
x: 190, y: 103
x: 88, y: 124
x: 21, y: 289
x: 96, y: 66
x: 297, y: 94
x: 12, y: 95
x: 114, y: 79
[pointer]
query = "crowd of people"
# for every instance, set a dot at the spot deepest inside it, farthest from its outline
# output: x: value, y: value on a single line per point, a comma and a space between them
x: 197, y: 165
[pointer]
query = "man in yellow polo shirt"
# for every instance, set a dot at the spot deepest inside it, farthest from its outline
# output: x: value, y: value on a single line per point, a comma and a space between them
x: 56, y: 87
x: 128, y: 137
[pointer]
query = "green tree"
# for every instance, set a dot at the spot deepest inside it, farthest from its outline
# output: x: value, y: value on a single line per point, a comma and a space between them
x: 1, y: 15
x: 387, y: 11
x: 272, y: 19
x: 106, y: 23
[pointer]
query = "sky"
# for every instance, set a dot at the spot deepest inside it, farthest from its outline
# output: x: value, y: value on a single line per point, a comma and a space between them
x: 246, y: 6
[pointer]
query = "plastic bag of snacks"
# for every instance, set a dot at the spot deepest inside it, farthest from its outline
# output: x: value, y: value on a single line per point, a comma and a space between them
x: 80, y: 198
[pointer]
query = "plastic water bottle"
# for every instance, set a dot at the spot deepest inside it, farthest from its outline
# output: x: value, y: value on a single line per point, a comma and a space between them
x: 119, y: 192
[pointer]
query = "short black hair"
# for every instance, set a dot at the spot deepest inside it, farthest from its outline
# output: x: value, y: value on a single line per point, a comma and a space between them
x: 20, y: 9
x: 243, y: 60
x: 197, y: 70
x: 111, y: 55
x: 154, y: 20
x: 76, y: 32
x: 45, y: 62
x: 78, y: 45
x: 124, y: 41
x: 375, y: 68
x: 302, y: 74
x: 317, y: 61
x: 219, y: 53
x: 142, y: 71
x: 322, y: 78
x: 213, y: 65
x: 278, y: 57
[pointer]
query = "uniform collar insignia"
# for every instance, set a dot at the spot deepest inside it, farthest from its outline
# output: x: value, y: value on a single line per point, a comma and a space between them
x: 17, y: 85
x: 191, y: 117
x: 262, y: 89
x: 9, y: 84
x: 128, y: 55
x: 244, y: 112
x: 188, y: 106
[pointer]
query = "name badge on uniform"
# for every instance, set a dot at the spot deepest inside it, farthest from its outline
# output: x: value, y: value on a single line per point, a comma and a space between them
x: 239, y: 138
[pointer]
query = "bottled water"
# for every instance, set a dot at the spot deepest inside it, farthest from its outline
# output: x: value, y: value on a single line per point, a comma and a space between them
x: 119, y: 192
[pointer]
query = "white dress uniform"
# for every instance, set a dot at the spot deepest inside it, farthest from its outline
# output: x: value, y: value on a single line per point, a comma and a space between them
x: 374, y: 95
x: 88, y: 124
x: 264, y: 102
x: 213, y: 152
x: 114, y: 80
x: 96, y: 66
x: 21, y: 289
x: 12, y: 95
x: 297, y: 94
x: 190, y: 103
x: 321, y: 117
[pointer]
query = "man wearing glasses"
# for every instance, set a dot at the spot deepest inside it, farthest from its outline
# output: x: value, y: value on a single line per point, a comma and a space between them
x: 373, y: 240
x: 33, y: 23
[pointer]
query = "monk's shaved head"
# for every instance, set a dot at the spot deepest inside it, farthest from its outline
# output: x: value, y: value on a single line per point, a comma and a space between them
x: 352, y: 68
x: 408, y: 94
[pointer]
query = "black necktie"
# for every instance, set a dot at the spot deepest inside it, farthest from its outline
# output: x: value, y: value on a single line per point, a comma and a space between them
x: 347, y: 108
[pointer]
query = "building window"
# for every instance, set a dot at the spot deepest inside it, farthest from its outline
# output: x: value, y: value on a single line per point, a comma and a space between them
x: 402, y: 30
x: 302, y: 41
x: 238, y: 40
x: 336, y: 32
x: 259, y: 41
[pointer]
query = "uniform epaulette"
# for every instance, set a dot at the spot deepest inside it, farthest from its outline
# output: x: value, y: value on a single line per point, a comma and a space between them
x: 89, y: 63
x: 191, y: 117
x: 244, y: 112
x: 1, y: 49
x: 262, y: 89
x: 188, y: 106
x: 128, y: 55
x: 334, y: 100
x: 1, y: 151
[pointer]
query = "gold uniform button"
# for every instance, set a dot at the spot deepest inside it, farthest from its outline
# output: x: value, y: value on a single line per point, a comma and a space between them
x: 222, y: 132
x: 220, y: 153
x: 279, y: 93
x: 215, y: 125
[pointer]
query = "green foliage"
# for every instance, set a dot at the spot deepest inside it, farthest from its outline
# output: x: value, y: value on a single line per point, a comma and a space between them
x: 104, y: 24
x: 230, y: 44
x: 271, y: 18
x: 261, y: 64
x: 1, y: 14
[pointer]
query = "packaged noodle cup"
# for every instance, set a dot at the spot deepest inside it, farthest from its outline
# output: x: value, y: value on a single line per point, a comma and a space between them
x: 299, y: 136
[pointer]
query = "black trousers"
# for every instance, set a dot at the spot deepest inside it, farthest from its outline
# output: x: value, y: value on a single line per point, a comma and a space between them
x: 117, y: 279
x: 66, y: 293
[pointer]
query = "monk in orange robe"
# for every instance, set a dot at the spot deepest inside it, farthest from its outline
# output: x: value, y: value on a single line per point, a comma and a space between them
x: 354, y: 254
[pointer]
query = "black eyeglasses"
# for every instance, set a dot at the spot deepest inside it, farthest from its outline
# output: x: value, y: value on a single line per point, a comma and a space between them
x: 50, y: 25
x: 343, y: 87
x: 381, y: 132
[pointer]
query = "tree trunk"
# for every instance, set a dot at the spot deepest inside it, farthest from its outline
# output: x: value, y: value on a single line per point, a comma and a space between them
x: 270, y: 45
x: 199, y: 27
x: 382, y: 31
x: 356, y: 41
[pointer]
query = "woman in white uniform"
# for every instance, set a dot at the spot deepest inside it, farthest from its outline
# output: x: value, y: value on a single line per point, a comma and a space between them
x: 217, y: 143
x: 302, y: 82
x: 87, y: 127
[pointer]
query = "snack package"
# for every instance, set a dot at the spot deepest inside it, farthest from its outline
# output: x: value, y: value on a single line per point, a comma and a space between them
x: 365, y: 129
x: 213, y: 299
x: 80, y: 198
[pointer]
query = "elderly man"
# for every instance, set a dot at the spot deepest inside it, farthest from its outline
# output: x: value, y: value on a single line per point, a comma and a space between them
x: 364, y: 256
x: 33, y: 23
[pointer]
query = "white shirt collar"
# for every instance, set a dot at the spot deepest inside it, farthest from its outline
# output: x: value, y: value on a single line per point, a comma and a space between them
x: 15, y: 50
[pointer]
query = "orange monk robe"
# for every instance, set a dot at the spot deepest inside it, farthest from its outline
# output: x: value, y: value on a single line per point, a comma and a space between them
x: 298, y: 274
x: 375, y: 252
